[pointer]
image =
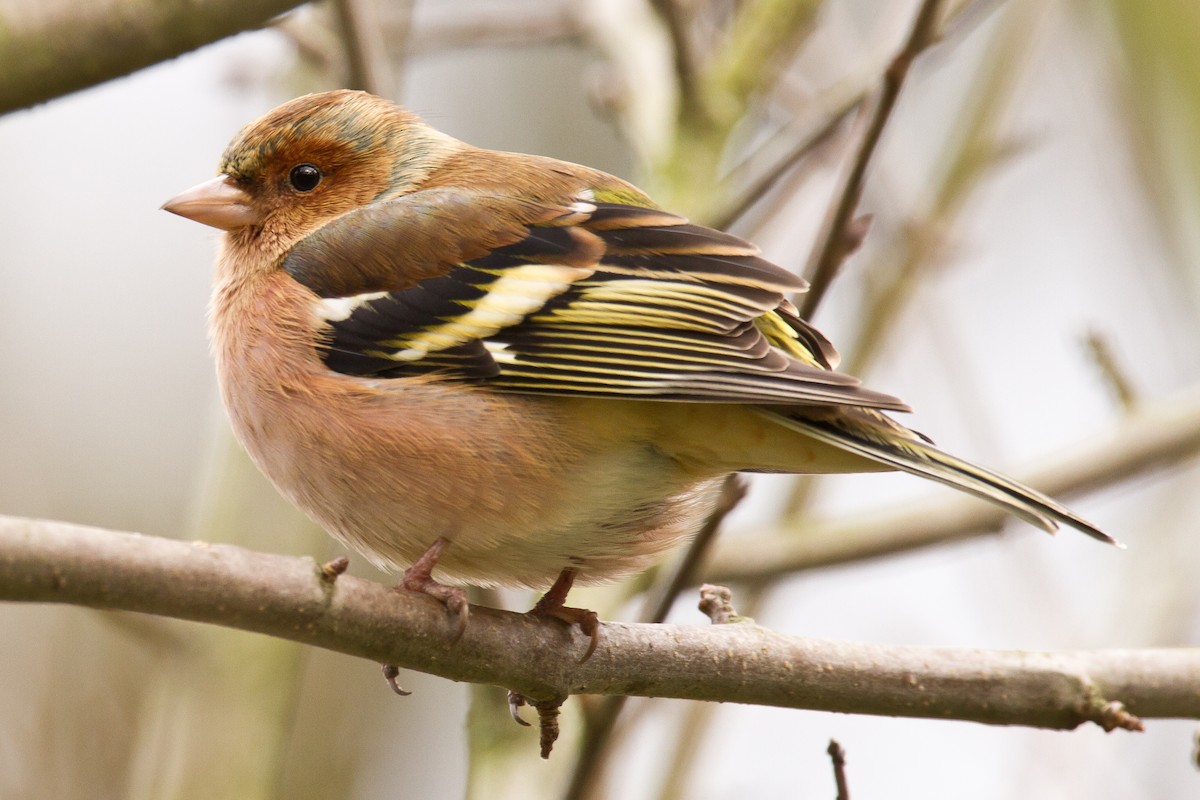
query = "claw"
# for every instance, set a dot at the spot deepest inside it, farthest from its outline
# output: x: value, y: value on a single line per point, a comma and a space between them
x: 515, y: 701
x: 390, y: 673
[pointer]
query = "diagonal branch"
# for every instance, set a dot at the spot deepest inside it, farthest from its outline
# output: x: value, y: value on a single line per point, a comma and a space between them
x: 835, y: 243
x: 602, y: 720
x: 55, y: 47
x: 367, y: 66
x: 683, y: 54
x: 741, y: 662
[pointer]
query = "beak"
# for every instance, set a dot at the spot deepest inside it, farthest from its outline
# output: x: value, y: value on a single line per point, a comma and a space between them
x: 218, y: 202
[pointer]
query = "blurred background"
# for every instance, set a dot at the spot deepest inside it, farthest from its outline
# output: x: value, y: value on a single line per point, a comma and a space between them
x: 1029, y: 284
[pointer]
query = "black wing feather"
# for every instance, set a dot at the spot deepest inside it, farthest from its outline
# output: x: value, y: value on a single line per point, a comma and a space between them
x: 591, y: 299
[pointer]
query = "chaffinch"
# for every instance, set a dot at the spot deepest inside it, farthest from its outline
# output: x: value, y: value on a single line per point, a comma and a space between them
x: 513, y: 369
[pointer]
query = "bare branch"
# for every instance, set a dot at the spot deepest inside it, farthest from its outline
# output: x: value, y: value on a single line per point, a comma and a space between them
x: 602, y: 720
x: 732, y: 493
x: 832, y: 246
x: 1111, y: 370
x: 683, y: 53
x: 837, y: 756
x: 365, y: 50
x: 288, y: 597
x: 534, y: 24
x: 54, y: 47
x: 762, y: 170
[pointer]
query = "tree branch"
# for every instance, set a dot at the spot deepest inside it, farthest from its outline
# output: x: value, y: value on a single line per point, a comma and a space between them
x: 601, y: 722
x: 835, y: 243
x: 367, y: 65
x: 683, y: 54
x: 287, y: 597
x: 54, y: 47
x: 511, y: 24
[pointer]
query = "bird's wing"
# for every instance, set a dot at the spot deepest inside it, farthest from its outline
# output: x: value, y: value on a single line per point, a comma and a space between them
x: 579, y: 299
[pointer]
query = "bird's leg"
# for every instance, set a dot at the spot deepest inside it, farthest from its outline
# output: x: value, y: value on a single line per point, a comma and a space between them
x: 419, y: 578
x: 553, y: 605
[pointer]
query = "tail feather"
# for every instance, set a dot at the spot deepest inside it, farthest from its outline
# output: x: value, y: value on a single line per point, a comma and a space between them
x: 880, y: 439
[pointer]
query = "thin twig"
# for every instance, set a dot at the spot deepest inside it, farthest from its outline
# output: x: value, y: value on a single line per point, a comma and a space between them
x: 683, y: 55
x: 764, y: 172
x: 975, y: 151
x: 1110, y: 370
x: 969, y: 157
x: 838, y: 756
x: 832, y: 248
x: 602, y: 720
x: 363, y: 45
x: 510, y: 24
x: 732, y: 493
x: 774, y: 158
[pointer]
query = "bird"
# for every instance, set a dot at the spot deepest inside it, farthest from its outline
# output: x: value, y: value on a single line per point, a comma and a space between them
x: 496, y: 369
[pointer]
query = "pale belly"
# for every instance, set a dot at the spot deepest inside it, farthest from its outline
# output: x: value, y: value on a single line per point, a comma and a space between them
x: 518, y: 497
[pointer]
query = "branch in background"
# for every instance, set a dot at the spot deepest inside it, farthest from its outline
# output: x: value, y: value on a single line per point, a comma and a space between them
x: 740, y: 662
x: 1154, y: 436
x: 763, y: 37
x: 833, y: 243
x: 54, y: 47
x: 809, y: 129
x: 595, y: 748
x: 364, y: 48
x: 684, y: 56
x: 659, y: 603
x: 504, y: 25
x: 1110, y: 369
x: 974, y: 152
x: 969, y: 157
x: 763, y: 168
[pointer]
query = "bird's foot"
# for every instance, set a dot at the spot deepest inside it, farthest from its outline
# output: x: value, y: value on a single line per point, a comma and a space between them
x: 553, y: 605
x: 419, y: 578
x: 390, y: 673
x: 515, y: 701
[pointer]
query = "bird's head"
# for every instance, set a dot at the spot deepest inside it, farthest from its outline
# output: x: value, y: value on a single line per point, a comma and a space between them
x: 309, y: 161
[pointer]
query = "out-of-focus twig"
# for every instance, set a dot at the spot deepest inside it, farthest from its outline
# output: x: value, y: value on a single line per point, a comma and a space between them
x: 977, y: 150
x: 602, y: 719
x: 363, y: 45
x: 971, y: 155
x: 508, y: 24
x: 658, y: 604
x: 763, y: 168
x: 769, y: 162
x: 763, y: 37
x: 832, y: 246
x: 683, y: 55
x: 54, y: 47
x: 1110, y: 370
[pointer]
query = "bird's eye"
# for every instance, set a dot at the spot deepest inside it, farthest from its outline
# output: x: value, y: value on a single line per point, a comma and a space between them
x: 304, y: 177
